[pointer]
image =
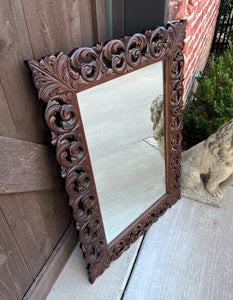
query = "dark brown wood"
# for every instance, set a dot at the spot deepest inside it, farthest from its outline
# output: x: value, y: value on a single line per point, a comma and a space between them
x: 14, y: 274
x: 100, y: 16
x: 94, y: 20
x: 59, y: 78
x: 51, y: 270
x: 98, y: 22
x: 26, y: 167
x: 117, y: 18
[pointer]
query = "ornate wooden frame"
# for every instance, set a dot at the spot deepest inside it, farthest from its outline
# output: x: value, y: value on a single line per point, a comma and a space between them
x: 58, y: 79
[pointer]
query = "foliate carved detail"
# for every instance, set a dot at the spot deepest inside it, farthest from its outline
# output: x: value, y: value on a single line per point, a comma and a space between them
x: 176, y: 67
x: 87, y: 65
x: 160, y: 43
x: 58, y: 79
x: 55, y: 82
x: 113, y: 57
x: 137, y: 50
x: 60, y: 115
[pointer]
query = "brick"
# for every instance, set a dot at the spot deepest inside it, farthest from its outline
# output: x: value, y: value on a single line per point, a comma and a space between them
x: 201, y: 18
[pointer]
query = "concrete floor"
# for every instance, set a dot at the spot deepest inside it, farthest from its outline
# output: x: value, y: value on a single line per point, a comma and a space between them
x: 187, y: 254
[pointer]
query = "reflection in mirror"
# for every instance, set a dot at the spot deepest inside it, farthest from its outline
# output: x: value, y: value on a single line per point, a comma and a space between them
x: 128, y: 168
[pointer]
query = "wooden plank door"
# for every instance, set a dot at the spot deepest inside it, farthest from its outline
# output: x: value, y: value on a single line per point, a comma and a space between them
x: 34, y: 214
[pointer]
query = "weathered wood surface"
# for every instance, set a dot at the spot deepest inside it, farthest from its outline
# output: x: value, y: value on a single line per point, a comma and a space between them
x: 73, y: 281
x: 42, y: 285
x: 7, y: 126
x: 118, y: 18
x: 100, y: 19
x: 98, y: 22
x: 35, y: 220
x: 15, y: 46
x: 23, y: 214
x: 14, y: 275
x: 64, y: 24
x: 56, y: 212
x: 94, y: 20
x: 32, y: 29
x: 187, y: 254
x: 26, y: 167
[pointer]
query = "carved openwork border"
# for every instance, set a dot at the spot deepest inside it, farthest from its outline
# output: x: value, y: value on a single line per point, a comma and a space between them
x: 59, y: 78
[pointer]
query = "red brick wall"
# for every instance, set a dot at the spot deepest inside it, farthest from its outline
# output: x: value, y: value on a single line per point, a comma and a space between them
x: 201, y: 18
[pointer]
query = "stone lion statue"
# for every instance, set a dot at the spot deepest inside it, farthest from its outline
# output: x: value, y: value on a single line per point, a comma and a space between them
x: 206, y: 168
x: 157, y: 118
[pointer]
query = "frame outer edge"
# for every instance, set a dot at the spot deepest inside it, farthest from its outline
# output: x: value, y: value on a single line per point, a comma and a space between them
x: 57, y: 80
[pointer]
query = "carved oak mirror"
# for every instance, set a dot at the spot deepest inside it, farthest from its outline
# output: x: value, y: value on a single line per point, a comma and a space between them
x: 98, y: 110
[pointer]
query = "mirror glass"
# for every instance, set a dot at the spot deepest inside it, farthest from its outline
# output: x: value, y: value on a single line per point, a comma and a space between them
x: 128, y: 168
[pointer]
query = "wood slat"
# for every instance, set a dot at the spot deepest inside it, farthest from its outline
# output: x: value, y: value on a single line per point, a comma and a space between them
x: 7, y: 126
x: 58, y: 25
x: 56, y: 212
x: 117, y: 18
x: 16, y: 82
x: 31, y: 29
x: 86, y: 22
x: 100, y: 18
x: 23, y: 214
x: 48, y: 26
x: 42, y: 285
x: 26, y: 167
x: 94, y: 21
x: 14, y: 275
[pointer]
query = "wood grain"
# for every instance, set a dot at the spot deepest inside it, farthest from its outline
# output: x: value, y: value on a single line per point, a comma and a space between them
x: 7, y: 126
x: 66, y: 27
x: 20, y: 96
x: 56, y: 212
x: 94, y: 21
x: 86, y: 22
x: 14, y: 275
x: 23, y: 214
x: 187, y: 255
x: 117, y: 18
x: 46, y: 278
x: 41, y: 16
x: 31, y: 28
x: 100, y: 17
x: 26, y: 167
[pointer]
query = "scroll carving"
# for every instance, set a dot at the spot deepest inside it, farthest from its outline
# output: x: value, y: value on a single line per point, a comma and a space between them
x: 58, y: 79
